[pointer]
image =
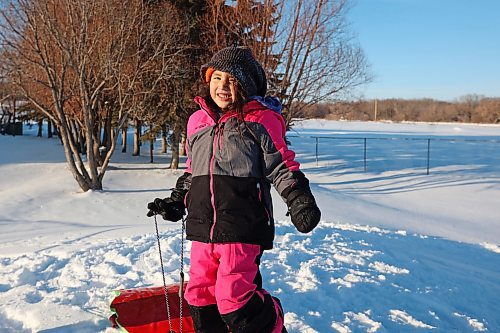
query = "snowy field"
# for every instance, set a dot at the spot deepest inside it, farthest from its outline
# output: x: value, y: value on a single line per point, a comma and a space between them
x: 397, y: 250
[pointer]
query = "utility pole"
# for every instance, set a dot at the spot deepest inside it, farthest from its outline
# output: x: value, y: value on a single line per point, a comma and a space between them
x: 375, y: 110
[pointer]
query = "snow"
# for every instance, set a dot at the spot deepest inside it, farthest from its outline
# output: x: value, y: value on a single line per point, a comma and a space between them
x: 397, y: 250
x: 403, y: 317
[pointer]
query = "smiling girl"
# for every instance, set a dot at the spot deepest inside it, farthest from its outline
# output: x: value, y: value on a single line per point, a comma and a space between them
x: 236, y: 151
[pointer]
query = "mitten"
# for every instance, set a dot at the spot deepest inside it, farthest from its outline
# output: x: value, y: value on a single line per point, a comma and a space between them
x: 302, y: 207
x: 169, y: 209
x: 303, y: 210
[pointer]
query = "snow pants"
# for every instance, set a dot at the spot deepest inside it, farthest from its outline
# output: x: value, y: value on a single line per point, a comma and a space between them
x: 225, y: 292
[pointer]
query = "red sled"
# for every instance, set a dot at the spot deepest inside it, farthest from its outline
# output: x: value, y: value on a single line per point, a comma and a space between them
x: 143, y: 310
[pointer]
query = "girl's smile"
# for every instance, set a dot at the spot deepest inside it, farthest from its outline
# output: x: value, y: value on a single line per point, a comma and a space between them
x: 223, y: 88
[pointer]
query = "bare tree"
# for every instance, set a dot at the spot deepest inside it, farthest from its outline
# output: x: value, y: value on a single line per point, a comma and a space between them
x: 488, y: 111
x: 319, y: 60
x: 161, y: 40
x: 305, y: 46
x: 84, y: 65
x: 469, y: 104
x: 9, y: 103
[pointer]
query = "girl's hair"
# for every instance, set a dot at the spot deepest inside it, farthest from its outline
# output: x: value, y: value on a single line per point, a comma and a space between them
x: 239, y: 103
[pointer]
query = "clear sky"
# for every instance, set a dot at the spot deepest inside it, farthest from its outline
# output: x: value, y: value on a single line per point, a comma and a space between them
x: 442, y: 49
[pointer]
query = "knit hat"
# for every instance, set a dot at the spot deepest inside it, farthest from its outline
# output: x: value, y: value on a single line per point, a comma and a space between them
x: 240, y: 63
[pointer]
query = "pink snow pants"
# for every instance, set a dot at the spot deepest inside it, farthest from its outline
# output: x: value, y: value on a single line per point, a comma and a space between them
x: 225, y: 275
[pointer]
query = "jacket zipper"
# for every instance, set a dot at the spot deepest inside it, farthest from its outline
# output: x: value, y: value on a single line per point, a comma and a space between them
x: 216, y: 133
x: 213, y: 133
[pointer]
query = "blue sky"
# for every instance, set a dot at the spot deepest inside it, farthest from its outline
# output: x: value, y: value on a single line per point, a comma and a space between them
x: 442, y: 49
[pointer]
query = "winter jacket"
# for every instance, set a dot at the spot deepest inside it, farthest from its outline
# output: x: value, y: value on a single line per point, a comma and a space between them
x: 230, y: 168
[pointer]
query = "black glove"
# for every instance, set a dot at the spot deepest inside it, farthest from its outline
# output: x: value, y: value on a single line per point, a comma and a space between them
x: 302, y: 207
x: 169, y: 209
x: 303, y: 210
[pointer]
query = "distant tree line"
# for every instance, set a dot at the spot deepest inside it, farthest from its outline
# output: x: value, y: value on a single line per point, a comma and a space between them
x: 471, y: 108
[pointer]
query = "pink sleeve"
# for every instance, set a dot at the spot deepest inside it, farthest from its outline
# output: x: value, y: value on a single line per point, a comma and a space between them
x: 197, y: 121
x: 188, y: 160
x: 275, y: 127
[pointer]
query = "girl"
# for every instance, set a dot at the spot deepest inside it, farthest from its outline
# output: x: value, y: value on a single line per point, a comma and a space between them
x: 236, y: 150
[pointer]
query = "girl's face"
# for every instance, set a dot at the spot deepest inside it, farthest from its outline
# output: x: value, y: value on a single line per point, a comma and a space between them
x: 223, y: 88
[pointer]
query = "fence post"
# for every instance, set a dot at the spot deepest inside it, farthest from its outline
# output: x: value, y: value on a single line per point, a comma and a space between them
x: 365, y: 154
x: 428, y: 154
x: 317, y: 151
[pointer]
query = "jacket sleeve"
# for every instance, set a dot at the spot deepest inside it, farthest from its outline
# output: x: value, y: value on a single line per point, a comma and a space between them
x: 279, y: 162
x: 181, y: 187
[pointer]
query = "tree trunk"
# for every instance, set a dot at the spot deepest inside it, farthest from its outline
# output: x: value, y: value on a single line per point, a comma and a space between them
x: 174, y: 162
x: 82, y: 145
x: 97, y: 143
x: 137, y: 137
x: 164, y: 142
x: 124, y: 139
x: 58, y: 132
x: 55, y: 131
x: 40, y: 128
x: 182, y: 148
x: 49, y: 129
x: 75, y: 163
x: 80, y: 179
x: 151, y: 144
x: 104, y: 131
x: 96, y: 149
x: 106, y: 140
x: 74, y: 131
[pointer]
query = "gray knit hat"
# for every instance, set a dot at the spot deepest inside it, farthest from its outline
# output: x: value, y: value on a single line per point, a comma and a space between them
x: 240, y: 63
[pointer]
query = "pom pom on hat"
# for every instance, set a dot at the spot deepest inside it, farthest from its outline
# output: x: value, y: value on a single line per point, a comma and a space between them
x: 240, y: 63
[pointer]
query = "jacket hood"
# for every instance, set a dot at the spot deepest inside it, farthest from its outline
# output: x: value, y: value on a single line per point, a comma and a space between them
x: 270, y: 102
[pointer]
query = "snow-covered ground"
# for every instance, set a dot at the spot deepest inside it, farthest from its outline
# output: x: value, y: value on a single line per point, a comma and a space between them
x: 397, y: 250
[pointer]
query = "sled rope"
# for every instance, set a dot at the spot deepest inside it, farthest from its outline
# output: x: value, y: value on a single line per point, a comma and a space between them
x: 163, y: 276
x: 181, y: 284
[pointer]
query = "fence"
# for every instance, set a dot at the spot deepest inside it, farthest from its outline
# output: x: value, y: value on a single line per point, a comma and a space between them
x: 388, y: 153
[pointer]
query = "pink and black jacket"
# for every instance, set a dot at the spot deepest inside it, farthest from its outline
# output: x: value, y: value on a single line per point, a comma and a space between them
x: 230, y: 168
